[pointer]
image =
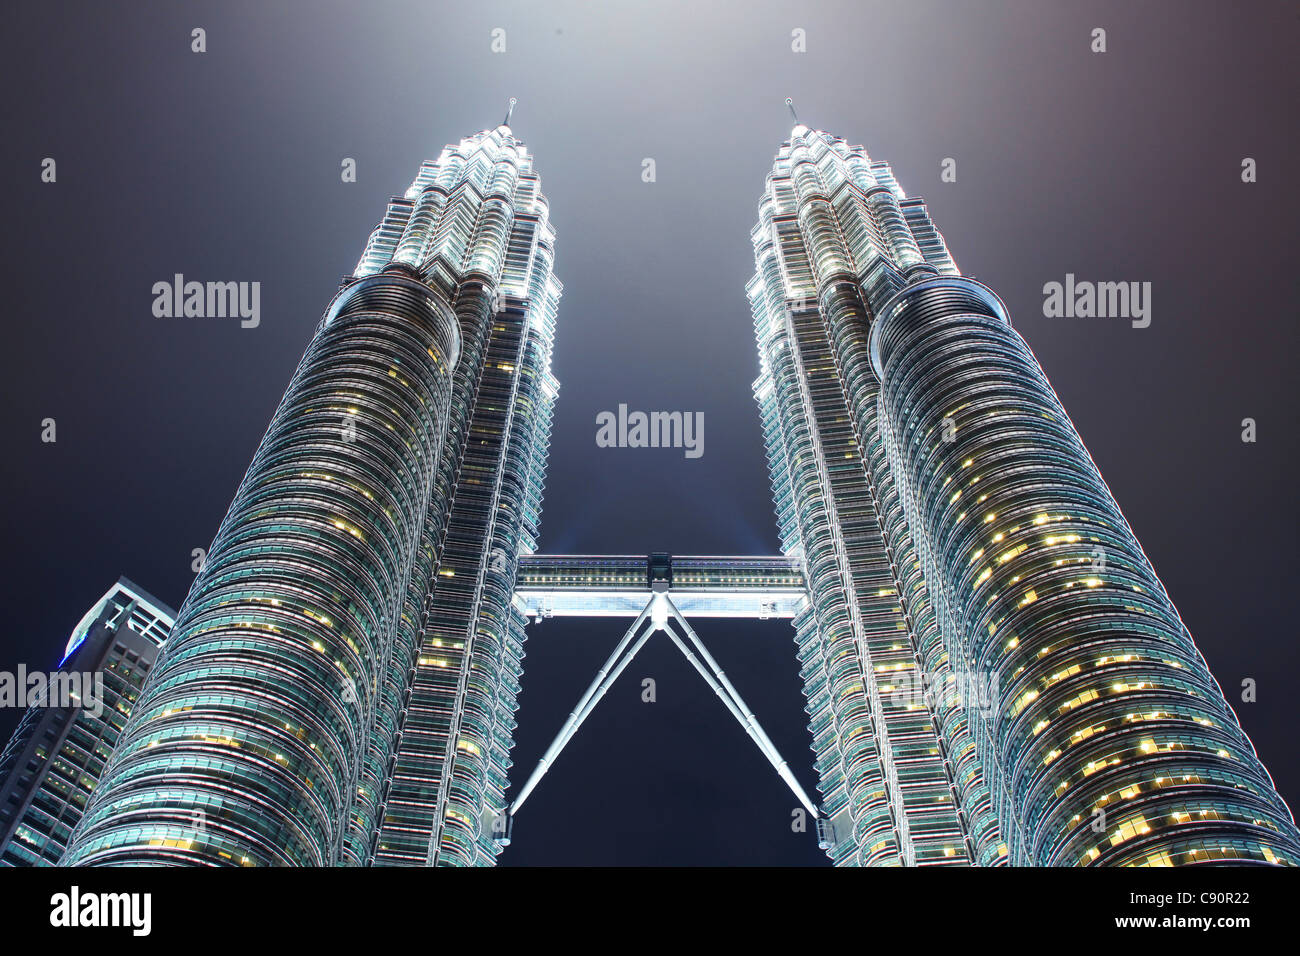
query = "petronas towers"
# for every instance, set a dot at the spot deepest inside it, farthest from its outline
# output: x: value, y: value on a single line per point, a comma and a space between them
x: 339, y: 686
x: 993, y: 672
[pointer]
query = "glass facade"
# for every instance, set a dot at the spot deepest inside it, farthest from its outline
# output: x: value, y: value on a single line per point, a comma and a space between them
x: 448, y: 772
x: 1113, y: 742
x: 993, y: 671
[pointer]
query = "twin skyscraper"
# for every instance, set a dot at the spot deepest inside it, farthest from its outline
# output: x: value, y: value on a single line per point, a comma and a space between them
x: 993, y: 672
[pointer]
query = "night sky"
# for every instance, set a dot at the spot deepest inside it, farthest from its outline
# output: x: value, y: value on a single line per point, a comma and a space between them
x: 225, y: 166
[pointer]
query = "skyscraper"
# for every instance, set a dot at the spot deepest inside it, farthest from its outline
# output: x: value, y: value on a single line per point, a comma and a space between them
x: 57, y: 753
x: 993, y: 670
x: 340, y: 684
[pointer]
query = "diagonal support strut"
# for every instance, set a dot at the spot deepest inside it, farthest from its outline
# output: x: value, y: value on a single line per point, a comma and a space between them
x: 601, y: 683
x: 723, y: 687
x: 661, y: 612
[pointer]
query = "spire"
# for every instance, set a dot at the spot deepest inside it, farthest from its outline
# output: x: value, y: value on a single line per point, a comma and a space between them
x: 793, y: 115
x: 509, y: 110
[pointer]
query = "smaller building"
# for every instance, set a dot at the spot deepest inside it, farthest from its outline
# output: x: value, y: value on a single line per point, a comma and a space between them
x: 58, y: 751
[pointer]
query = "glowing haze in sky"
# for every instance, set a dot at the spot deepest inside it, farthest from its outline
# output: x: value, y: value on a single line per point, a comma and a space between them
x: 225, y: 165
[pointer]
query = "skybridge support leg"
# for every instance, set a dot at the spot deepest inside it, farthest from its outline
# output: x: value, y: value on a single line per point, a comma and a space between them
x: 723, y: 687
x: 659, y: 614
x: 601, y: 683
x: 747, y: 725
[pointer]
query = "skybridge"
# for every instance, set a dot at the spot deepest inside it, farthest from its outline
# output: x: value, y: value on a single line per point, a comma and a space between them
x: 584, y: 585
x: 659, y: 592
